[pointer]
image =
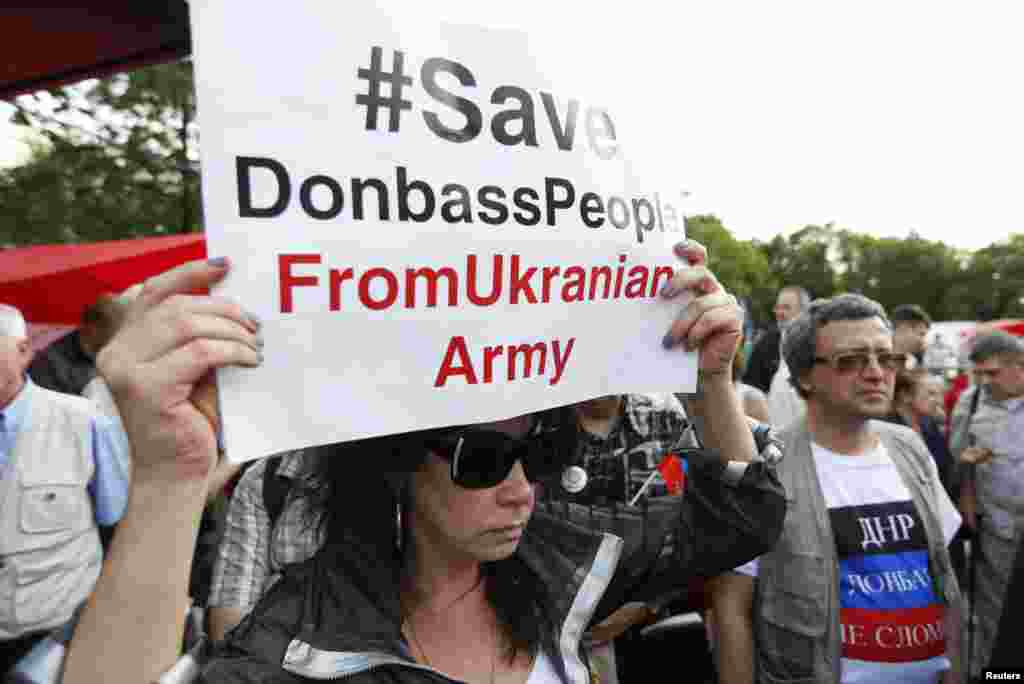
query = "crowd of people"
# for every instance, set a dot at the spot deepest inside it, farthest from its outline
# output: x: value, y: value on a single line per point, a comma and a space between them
x: 813, y: 505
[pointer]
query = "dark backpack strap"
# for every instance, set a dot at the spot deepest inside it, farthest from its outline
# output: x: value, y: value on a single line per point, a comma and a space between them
x: 275, y: 490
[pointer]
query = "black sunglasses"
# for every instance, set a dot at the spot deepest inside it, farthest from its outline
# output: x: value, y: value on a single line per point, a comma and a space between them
x: 481, y: 459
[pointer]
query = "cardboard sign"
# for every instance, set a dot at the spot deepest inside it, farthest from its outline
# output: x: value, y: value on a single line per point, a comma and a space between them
x: 433, y: 228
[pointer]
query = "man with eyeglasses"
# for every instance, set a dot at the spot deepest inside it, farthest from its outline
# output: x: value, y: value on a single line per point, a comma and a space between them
x: 987, y: 439
x: 859, y: 587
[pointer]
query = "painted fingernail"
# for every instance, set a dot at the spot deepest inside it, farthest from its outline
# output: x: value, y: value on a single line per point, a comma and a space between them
x: 668, y: 289
x: 667, y: 341
x: 256, y: 321
x: 218, y: 262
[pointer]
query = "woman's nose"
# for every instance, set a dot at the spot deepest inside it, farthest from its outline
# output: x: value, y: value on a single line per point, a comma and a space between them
x: 516, y: 489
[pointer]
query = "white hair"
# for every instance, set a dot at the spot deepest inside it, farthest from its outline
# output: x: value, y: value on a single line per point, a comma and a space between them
x: 12, y: 323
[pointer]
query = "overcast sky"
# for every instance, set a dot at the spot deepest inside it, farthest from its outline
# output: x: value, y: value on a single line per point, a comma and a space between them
x: 879, y: 116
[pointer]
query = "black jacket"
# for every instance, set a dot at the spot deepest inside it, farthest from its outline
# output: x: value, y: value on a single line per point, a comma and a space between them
x: 335, y: 615
x: 63, y: 366
x: 764, y: 360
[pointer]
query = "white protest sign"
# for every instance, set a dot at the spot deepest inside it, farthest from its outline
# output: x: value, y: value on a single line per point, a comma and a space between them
x: 434, y: 228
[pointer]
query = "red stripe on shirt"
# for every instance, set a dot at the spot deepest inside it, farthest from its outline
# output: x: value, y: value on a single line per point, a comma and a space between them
x: 893, y: 636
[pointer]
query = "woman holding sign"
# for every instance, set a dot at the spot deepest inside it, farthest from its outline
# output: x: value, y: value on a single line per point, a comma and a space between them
x: 465, y: 582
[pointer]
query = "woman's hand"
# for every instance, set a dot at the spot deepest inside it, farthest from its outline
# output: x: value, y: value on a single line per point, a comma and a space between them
x: 712, y: 322
x: 159, y: 368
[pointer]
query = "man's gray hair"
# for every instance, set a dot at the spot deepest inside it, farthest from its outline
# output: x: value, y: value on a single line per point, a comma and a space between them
x: 799, y: 344
x: 12, y: 323
x: 995, y: 343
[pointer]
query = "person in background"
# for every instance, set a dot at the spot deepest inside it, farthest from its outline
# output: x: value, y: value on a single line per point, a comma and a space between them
x: 764, y: 358
x: 988, y: 443
x: 63, y: 473
x: 910, y: 330
x: 622, y: 440
x: 264, y: 530
x: 917, y: 403
x: 68, y: 363
x: 785, y: 405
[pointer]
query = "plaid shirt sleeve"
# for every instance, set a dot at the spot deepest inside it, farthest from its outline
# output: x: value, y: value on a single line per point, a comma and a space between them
x: 241, y: 568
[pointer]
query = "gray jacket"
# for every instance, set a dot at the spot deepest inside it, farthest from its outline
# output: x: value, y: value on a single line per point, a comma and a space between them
x: 797, y: 630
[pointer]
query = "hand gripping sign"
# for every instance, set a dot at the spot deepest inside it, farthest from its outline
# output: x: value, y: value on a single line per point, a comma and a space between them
x: 432, y: 231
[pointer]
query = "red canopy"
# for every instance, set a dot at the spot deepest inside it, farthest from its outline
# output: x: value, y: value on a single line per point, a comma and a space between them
x: 47, y: 43
x: 1014, y: 326
x: 54, y: 283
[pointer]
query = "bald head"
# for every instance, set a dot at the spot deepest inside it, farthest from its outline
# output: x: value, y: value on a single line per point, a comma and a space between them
x: 791, y: 302
x: 12, y: 323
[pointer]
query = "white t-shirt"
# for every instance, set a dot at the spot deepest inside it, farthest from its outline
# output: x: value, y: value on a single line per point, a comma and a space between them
x: 892, y: 622
x: 784, y: 405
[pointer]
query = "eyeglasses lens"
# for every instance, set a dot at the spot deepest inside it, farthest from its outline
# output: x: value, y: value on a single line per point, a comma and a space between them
x: 858, y: 361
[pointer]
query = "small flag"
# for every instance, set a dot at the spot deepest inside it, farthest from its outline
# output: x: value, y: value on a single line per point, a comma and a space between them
x: 671, y: 469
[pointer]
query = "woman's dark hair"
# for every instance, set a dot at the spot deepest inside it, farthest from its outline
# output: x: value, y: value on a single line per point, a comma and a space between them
x: 353, y: 493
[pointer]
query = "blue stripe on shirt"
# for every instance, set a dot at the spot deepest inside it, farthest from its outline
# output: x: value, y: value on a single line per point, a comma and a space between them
x: 109, y: 484
x: 888, y: 581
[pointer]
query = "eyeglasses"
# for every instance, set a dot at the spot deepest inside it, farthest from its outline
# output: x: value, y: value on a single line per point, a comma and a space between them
x: 850, y: 362
x: 481, y: 459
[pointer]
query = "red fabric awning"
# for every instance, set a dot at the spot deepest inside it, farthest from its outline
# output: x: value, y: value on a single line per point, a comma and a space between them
x: 54, y: 283
x: 49, y: 43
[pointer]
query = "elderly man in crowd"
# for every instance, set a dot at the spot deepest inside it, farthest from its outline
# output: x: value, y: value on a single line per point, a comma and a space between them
x: 63, y: 471
x: 859, y: 587
x: 988, y: 440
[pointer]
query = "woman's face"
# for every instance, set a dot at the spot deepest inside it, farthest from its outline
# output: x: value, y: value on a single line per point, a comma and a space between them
x: 483, y: 524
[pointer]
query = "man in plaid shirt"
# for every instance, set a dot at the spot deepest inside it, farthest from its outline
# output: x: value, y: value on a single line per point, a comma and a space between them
x: 252, y: 551
x: 623, y: 439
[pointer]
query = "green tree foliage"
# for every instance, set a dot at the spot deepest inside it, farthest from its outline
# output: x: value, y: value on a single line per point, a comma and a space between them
x: 805, y: 258
x: 115, y: 158
x: 992, y: 284
x: 950, y: 284
x: 896, y: 271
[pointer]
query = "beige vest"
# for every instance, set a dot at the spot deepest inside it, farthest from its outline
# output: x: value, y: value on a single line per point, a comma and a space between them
x: 797, y: 607
x: 50, y: 553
